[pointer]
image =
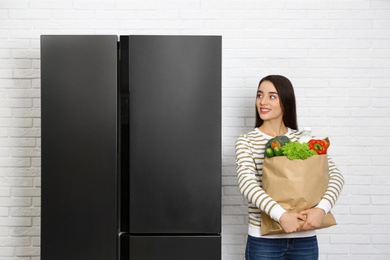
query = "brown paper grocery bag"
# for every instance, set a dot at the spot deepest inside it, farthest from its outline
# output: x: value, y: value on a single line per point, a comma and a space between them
x: 296, y: 185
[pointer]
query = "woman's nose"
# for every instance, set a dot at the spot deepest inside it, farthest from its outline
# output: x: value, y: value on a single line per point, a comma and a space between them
x: 263, y: 101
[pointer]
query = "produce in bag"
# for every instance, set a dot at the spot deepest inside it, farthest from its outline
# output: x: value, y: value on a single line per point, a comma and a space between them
x: 296, y: 181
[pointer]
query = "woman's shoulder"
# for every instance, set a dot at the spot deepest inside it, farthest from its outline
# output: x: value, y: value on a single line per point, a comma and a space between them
x: 294, y: 134
x: 251, y: 134
x: 254, y: 136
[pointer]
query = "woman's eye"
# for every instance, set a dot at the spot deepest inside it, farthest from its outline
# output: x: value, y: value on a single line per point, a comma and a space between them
x: 272, y: 97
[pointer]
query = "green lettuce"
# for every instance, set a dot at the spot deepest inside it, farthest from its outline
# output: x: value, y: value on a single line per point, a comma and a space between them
x: 295, y: 150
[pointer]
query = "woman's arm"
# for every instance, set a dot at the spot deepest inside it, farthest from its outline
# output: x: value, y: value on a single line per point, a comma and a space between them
x: 248, y: 184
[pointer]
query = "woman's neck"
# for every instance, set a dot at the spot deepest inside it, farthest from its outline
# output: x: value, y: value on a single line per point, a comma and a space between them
x: 273, y: 129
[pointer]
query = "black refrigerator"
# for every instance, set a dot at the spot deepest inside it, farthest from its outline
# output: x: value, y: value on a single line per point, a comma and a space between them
x: 131, y: 147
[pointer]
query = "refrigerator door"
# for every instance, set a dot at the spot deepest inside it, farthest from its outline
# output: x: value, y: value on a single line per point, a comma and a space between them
x: 175, y: 247
x: 79, y: 147
x: 175, y: 134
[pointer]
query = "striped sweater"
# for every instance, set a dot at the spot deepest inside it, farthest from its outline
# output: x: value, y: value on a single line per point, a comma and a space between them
x: 249, y: 160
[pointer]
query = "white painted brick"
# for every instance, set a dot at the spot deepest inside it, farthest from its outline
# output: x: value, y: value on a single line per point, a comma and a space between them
x: 161, y: 5
x: 380, y: 160
x: 374, y: 112
x: 12, y: 142
x: 229, y: 171
x: 87, y: 24
x: 23, y: 112
x: 36, y: 162
x: 25, y: 152
x: 18, y: 181
x: 355, y: 239
x: 35, y: 242
x: 36, y: 221
x: 233, y: 257
x: 25, y: 212
x: 235, y: 210
x: 12, y: 201
x: 58, y: 24
x: 231, y: 180
x: 233, y: 220
x: 6, y: 73
x: 14, y: 241
x: 14, y: 162
x: 235, y: 229
x: 352, y: 219
x: 381, y: 239
x: 15, y: 221
x: 381, y: 180
x: 380, y: 219
x: 369, y: 229
x: 372, y: 170
x: 372, y: 190
x: 380, y: 5
x: 347, y: 257
x: 26, y: 192
x: 334, y: 249
x: 15, y: 64
x: 232, y: 239
x: 27, y: 251
x: 15, y: 44
x: 5, y: 192
x: 234, y: 249
x: 36, y: 123
x: 89, y: 14
x: 370, y: 249
x: 16, y: 122
x: 20, y: 172
x: 7, y: 252
x: 36, y: 202
x: 24, y: 231
x: 42, y: 4
x: 68, y: 14
x: 102, y: 14
x: 15, y: 83
x: 5, y: 112
x: 5, y: 54
x: 24, y: 132
x: 29, y: 14
x: 232, y: 200
x: 231, y: 190
x: 26, y: 73
x: 16, y: 24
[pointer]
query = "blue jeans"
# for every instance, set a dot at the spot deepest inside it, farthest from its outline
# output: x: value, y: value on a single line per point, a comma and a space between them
x: 305, y: 248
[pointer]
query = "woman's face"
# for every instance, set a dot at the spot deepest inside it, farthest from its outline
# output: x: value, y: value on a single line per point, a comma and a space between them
x: 268, y: 102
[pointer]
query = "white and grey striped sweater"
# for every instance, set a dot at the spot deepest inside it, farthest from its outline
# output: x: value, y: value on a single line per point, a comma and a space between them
x: 250, y: 158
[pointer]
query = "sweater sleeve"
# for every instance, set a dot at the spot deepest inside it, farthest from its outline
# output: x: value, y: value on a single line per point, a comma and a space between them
x: 248, y: 184
x: 335, y: 185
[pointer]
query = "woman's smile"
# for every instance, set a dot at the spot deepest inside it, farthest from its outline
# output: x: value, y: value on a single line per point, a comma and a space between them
x: 264, y: 110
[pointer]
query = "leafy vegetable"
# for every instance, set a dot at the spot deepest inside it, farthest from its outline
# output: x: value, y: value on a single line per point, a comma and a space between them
x: 295, y: 150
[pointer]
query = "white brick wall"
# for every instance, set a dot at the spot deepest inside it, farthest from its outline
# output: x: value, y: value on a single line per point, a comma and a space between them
x: 337, y: 54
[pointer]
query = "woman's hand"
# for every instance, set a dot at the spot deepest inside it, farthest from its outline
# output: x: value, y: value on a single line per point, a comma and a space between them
x: 314, y: 218
x: 289, y: 221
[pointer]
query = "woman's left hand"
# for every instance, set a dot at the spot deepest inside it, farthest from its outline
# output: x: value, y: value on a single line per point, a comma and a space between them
x: 314, y: 218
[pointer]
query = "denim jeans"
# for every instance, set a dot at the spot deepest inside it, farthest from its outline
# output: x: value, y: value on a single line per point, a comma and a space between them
x: 305, y: 248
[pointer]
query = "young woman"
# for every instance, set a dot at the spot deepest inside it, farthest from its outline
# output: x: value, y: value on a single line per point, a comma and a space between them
x: 276, y: 115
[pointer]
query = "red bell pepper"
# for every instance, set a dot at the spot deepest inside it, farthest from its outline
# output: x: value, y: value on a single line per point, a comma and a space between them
x: 318, y: 146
